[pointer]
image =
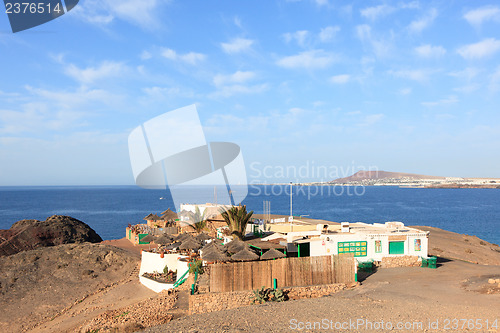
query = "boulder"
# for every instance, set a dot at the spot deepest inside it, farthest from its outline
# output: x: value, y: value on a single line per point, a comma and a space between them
x: 55, y: 230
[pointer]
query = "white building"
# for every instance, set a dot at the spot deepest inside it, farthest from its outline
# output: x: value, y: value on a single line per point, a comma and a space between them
x: 365, y: 241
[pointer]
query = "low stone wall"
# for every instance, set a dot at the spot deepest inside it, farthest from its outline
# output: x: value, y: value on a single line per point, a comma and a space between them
x: 401, y: 261
x: 210, y: 302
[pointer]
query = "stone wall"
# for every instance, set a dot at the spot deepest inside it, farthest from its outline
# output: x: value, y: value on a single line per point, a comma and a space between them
x: 210, y: 302
x: 401, y: 261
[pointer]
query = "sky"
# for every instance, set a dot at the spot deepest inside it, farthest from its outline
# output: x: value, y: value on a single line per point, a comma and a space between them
x: 311, y: 90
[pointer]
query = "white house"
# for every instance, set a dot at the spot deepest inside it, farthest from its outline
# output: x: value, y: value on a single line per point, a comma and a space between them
x: 365, y: 241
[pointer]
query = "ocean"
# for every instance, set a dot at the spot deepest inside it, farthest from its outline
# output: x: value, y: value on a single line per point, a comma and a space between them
x: 109, y: 209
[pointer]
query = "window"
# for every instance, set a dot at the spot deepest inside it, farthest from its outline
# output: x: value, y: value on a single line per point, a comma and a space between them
x: 418, y: 244
x: 378, y: 246
x: 358, y: 248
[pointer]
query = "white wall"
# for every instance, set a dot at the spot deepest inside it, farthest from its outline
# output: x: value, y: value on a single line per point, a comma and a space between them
x: 329, y: 245
x: 152, y: 262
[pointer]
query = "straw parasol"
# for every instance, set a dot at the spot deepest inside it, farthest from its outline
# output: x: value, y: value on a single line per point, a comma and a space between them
x: 149, y: 238
x: 182, y: 237
x: 203, y: 237
x: 190, y: 244
x: 236, y: 245
x: 245, y: 255
x: 163, y: 240
x: 213, y: 244
x: 273, y: 254
x: 169, y: 215
x: 215, y: 255
x: 147, y: 217
x: 173, y: 246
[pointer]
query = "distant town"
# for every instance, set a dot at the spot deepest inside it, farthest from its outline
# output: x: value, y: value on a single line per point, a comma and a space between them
x: 386, y: 178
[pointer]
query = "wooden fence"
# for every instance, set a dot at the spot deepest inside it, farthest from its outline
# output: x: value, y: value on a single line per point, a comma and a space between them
x: 288, y: 272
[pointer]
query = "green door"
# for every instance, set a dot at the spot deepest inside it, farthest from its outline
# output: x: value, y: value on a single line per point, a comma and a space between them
x: 396, y: 247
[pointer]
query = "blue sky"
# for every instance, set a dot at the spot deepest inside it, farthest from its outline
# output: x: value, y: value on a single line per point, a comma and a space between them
x: 409, y: 86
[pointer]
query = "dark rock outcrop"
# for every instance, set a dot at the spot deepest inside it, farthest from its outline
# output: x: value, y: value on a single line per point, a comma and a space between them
x: 56, y: 230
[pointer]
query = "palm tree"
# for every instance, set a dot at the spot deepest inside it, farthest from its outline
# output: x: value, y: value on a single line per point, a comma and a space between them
x: 237, y: 219
x: 198, y: 221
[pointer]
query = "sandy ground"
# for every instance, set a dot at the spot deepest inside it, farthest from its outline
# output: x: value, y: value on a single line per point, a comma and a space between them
x: 458, y: 289
x: 125, y: 244
x: 421, y: 298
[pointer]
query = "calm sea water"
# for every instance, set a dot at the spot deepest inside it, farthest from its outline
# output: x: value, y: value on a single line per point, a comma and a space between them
x: 108, y: 210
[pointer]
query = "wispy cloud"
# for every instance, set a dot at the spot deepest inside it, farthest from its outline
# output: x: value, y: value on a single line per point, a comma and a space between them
x: 482, y: 49
x: 89, y: 75
x: 103, y: 12
x: 237, y: 77
x: 494, y: 85
x: 236, y: 83
x: 328, y: 33
x: 429, y: 51
x: 237, y: 45
x: 191, y: 58
x: 314, y: 59
x: 297, y: 36
x: 425, y: 21
x: 419, y: 75
x: 442, y: 102
x: 477, y: 16
x: 371, y: 119
x: 380, y: 47
x: 340, y: 79
x: 373, y: 13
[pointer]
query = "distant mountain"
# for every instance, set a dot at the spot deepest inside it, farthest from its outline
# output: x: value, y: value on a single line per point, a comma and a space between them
x: 378, y: 175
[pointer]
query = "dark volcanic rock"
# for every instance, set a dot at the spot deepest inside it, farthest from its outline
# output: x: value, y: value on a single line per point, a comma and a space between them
x: 55, y: 230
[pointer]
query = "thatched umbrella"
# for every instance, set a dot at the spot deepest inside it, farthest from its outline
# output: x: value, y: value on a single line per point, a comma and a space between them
x: 245, y: 255
x: 182, y: 237
x: 163, y: 240
x: 147, y: 217
x: 149, y: 238
x: 169, y: 215
x: 272, y: 254
x: 190, y: 244
x: 215, y: 255
x: 173, y: 246
x: 213, y: 244
x: 203, y: 237
x: 236, y: 245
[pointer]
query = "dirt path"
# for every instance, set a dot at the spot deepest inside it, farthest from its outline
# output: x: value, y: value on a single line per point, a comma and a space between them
x: 422, y: 298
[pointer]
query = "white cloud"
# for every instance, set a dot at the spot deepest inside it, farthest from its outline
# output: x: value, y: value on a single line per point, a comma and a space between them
x: 468, y: 73
x: 298, y: 36
x: 484, y: 48
x: 230, y: 90
x: 381, y: 47
x: 237, y: 77
x: 340, y: 79
x: 429, y: 51
x: 442, y: 102
x: 494, y: 85
x: 145, y: 55
x: 371, y: 119
x: 419, y: 25
x: 321, y: 2
x: 419, y: 75
x: 328, y: 33
x: 373, y: 13
x: 314, y: 59
x: 237, y: 45
x: 477, y: 16
x: 142, y: 13
x: 191, y: 58
x: 91, y: 74
x: 405, y: 91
